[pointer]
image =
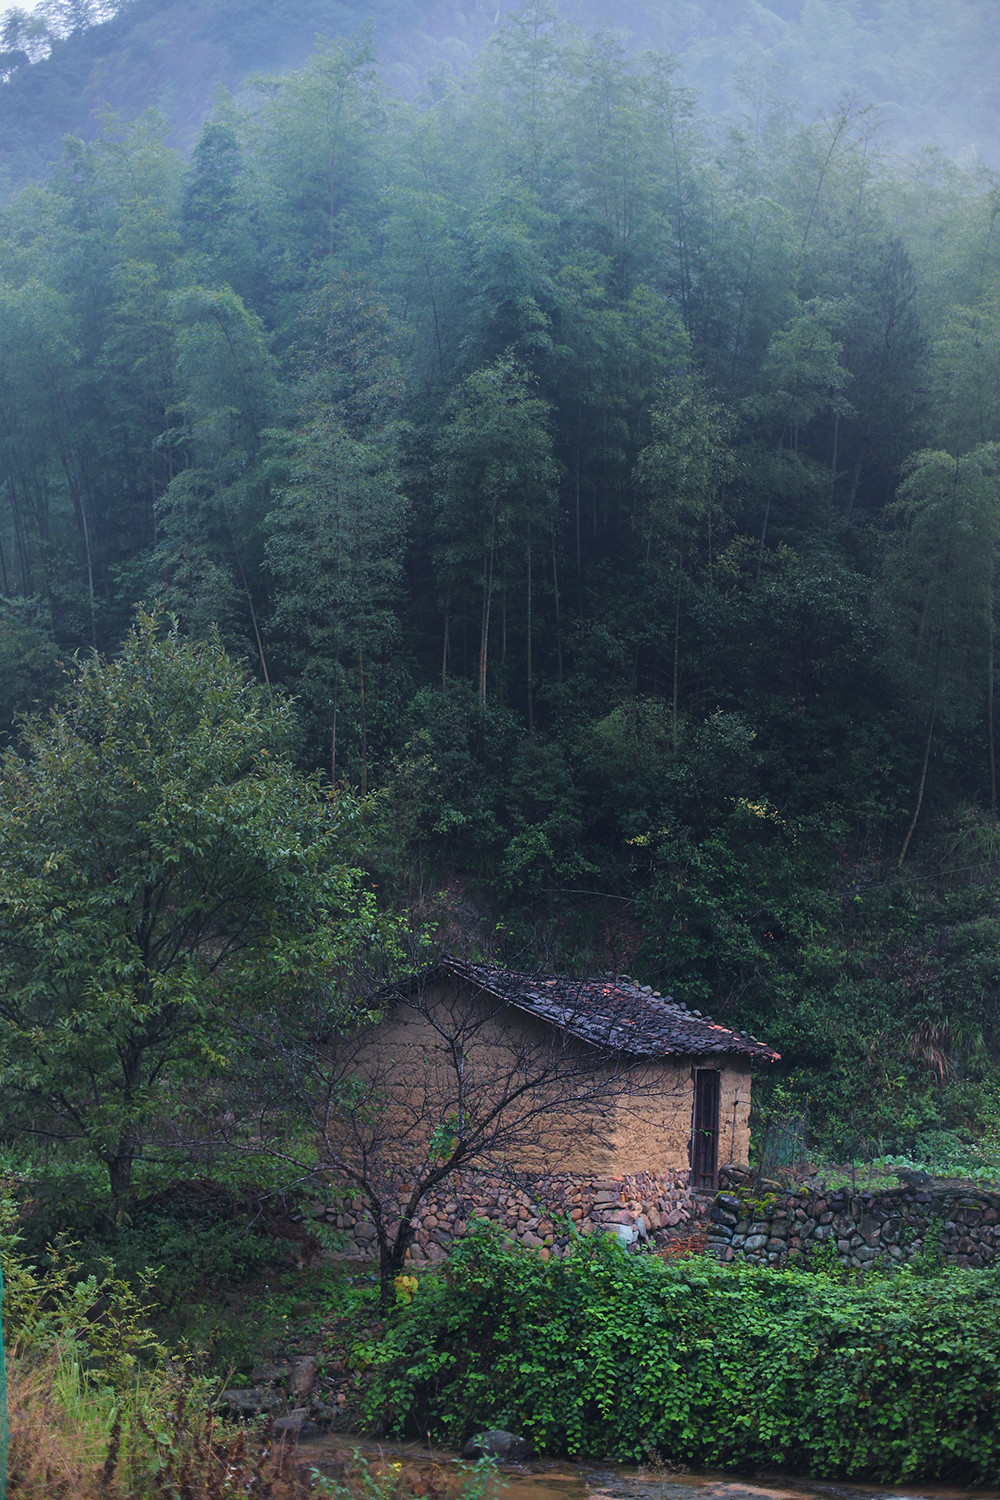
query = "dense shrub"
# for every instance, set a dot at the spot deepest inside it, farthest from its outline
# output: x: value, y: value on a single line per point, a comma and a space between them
x: 602, y: 1353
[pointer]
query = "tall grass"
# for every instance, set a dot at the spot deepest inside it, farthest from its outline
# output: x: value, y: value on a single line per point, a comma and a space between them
x: 98, y: 1409
x: 70, y: 1436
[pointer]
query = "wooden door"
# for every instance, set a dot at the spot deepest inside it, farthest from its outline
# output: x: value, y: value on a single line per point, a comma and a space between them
x: 705, y: 1129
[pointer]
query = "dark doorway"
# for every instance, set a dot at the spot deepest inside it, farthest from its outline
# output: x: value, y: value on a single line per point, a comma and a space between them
x: 705, y: 1129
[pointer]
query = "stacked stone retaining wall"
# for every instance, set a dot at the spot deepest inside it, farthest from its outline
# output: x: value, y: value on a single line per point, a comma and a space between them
x: 537, y: 1212
x: 959, y: 1222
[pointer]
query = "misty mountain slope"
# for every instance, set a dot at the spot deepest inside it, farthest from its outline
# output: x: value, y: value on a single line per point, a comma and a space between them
x: 929, y: 67
x: 169, y: 56
x: 617, y: 496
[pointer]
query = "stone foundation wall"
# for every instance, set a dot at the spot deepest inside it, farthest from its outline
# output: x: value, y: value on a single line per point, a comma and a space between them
x: 534, y: 1211
x: 961, y: 1222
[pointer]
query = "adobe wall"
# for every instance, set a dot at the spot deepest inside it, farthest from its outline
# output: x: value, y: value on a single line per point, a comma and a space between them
x: 959, y: 1222
x: 622, y: 1158
x: 734, y: 1113
x: 642, y: 1124
x: 653, y: 1126
x: 412, y: 1062
x: 534, y: 1213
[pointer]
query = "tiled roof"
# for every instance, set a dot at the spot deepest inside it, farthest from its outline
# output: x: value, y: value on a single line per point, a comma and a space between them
x: 611, y: 1012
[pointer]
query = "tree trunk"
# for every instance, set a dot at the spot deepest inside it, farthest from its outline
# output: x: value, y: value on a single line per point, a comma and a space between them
x: 989, y: 708
x: 392, y: 1253
x: 859, y: 463
x: 246, y: 591
x: 503, y: 619
x: 841, y: 125
x: 936, y: 679
x: 531, y: 701
x: 120, y: 1177
x: 555, y: 591
x: 576, y: 489
x: 744, y: 292
x: 20, y: 536
x: 444, y: 647
x: 484, y: 633
x: 677, y: 657
x: 90, y: 572
x: 333, y: 742
x: 362, y: 721
x: 392, y: 1257
x: 920, y: 789
x: 437, y: 327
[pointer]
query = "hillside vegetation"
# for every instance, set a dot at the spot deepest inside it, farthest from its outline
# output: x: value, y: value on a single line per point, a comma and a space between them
x: 928, y: 66
x: 616, y: 490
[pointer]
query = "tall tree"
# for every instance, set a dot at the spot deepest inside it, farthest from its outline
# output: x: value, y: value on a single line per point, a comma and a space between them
x: 942, y: 565
x: 334, y: 551
x: 682, y: 474
x: 163, y: 866
x: 319, y: 141
x: 498, y: 487
x: 966, y: 374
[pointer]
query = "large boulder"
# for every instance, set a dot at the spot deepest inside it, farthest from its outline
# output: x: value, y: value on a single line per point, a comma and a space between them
x: 506, y: 1447
x: 249, y: 1403
x: 302, y: 1375
x: 297, y: 1424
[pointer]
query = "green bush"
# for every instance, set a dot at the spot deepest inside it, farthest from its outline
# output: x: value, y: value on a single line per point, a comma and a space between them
x: 603, y: 1353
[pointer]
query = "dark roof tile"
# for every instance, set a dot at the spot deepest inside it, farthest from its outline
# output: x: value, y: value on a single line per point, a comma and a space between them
x: 608, y: 1012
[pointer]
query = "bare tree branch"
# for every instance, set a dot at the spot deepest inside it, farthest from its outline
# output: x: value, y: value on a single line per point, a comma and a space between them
x: 446, y: 1077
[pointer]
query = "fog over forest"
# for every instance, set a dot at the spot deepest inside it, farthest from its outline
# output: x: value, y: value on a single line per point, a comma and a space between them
x: 517, y: 481
x: 600, y: 447
x: 927, y: 67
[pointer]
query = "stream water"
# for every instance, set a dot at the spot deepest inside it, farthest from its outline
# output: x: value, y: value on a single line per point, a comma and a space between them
x: 566, y: 1480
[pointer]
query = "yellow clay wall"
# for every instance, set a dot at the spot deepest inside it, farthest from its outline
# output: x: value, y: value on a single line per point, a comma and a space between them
x: 643, y: 1124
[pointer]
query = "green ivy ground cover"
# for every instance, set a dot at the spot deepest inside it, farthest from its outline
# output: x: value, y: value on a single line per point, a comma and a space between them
x: 604, y: 1354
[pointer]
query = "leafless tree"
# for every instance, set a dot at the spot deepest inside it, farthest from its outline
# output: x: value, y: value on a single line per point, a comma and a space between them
x: 438, y: 1078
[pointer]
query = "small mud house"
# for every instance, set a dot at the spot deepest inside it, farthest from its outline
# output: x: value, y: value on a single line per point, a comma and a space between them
x: 598, y: 1101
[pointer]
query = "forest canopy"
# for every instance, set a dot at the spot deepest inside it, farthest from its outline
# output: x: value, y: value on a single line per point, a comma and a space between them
x: 928, y: 66
x: 614, y: 486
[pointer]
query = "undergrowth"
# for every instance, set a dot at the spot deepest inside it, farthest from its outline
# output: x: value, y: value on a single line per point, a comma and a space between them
x: 227, y: 1267
x: 72, y: 1439
x: 97, y: 1404
x: 601, y: 1353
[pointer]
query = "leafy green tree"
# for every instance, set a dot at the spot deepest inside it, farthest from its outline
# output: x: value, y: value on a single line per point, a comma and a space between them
x: 219, y: 218
x: 802, y: 371
x: 318, y: 159
x: 682, y: 473
x: 884, y: 349
x: 38, y: 476
x: 423, y: 266
x: 942, y: 579
x: 498, y: 483
x: 224, y: 388
x: 29, y: 665
x: 141, y: 439
x: 224, y: 372
x: 334, y: 539
x: 163, y: 867
x: 212, y: 191
x: 966, y: 374
x: 802, y: 378
x: 195, y: 570
x: 510, y: 306
x: 523, y: 71
x: 334, y: 551
x: 349, y: 359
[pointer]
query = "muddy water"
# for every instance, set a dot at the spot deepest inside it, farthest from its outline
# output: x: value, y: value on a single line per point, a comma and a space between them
x: 564, y: 1480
